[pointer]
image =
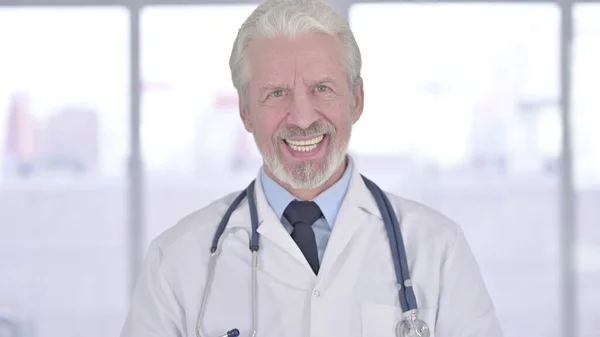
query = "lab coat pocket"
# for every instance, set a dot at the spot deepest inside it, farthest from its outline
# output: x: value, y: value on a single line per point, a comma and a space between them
x: 380, y: 320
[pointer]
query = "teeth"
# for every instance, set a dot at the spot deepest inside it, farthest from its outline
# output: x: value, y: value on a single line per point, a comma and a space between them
x: 313, y: 141
x: 304, y: 145
x: 306, y: 148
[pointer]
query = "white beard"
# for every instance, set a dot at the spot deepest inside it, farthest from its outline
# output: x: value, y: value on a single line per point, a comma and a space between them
x: 308, y: 174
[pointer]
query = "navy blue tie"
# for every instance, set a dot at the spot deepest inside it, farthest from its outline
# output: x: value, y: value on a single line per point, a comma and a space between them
x: 302, y: 215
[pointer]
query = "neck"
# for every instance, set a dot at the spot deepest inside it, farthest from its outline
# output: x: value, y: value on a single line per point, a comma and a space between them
x: 310, y: 194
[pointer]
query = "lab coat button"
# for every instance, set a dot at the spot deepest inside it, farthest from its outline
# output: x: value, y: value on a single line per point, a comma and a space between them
x: 316, y: 293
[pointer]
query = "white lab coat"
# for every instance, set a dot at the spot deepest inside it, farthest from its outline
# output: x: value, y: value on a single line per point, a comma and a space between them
x: 353, y: 295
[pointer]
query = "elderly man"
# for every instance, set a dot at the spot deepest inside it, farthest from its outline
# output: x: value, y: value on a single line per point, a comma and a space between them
x: 311, y: 248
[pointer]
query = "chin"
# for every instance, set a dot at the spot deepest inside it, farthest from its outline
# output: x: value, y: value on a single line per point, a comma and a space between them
x: 303, y: 173
x: 311, y: 173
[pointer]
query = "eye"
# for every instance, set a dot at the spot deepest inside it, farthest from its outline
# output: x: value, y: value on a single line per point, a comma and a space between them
x: 277, y: 93
x: 322, y: 88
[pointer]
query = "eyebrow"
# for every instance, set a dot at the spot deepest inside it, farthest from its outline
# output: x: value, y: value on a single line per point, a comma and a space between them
x: 326, y: 79
x: 272, y: 87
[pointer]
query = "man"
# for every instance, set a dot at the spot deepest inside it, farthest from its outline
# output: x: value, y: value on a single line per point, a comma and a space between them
x: 296, y: 67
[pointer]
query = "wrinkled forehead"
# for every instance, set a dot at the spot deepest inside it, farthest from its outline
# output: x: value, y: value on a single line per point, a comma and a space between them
x: 285, y: 61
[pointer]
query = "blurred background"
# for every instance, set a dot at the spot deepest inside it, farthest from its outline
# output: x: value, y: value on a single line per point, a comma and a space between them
x: 115, y: 114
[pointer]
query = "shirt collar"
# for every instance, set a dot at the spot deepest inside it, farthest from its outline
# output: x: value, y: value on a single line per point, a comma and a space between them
x: 329, y: 201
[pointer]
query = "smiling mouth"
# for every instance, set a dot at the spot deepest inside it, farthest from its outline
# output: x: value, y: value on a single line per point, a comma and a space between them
x: 307, y: 145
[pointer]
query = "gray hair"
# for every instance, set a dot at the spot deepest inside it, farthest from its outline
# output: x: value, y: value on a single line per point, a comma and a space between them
x: 292, y: 18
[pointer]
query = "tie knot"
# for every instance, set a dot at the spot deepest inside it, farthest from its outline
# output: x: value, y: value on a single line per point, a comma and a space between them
x: 302, y: 212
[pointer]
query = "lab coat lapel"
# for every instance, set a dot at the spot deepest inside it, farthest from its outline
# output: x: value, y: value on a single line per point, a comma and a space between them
x: 356, y: 208
x: 272, y: 229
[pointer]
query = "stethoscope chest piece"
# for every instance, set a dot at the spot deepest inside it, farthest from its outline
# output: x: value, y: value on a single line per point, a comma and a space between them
x: 412, y: 326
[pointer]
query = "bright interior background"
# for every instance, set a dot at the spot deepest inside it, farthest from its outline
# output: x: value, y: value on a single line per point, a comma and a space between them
x: 462, y: 113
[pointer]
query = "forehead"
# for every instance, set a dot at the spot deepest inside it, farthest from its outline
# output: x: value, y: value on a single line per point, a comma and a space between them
x: 282, y: 59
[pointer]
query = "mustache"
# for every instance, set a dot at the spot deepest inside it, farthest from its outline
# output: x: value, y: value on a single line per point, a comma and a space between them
x: 316, y: 128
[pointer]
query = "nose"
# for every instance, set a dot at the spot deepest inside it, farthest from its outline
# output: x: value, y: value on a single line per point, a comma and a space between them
x: 303, y: 112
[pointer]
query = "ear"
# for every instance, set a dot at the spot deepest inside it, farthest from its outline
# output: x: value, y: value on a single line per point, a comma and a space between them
x: 244, y: 115
x: 359, y: 101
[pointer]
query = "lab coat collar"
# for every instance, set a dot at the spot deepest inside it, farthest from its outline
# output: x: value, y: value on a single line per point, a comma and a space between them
x: 270, y: 227
x: 358, y: 194
x: 357, y: 205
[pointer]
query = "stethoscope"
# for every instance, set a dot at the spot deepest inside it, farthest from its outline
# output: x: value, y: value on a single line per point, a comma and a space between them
x: 410, y: 325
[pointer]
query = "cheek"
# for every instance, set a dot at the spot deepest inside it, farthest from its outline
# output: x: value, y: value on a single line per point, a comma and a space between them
x: 343, y: 132
x: 265, y: 128
x: 342, y: 118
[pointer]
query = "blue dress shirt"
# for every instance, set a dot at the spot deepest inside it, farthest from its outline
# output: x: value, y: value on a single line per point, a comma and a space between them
x: 329, y: 201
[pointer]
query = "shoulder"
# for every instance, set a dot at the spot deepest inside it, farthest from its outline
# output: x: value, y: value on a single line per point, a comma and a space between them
x: 421, y: 223
x: 200, y: 224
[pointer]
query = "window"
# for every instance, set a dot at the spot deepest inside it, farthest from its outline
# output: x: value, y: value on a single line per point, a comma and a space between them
x: 191, y: 129
x: 64, y: 112
x: 462, y: 99
x: 586, y: 144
